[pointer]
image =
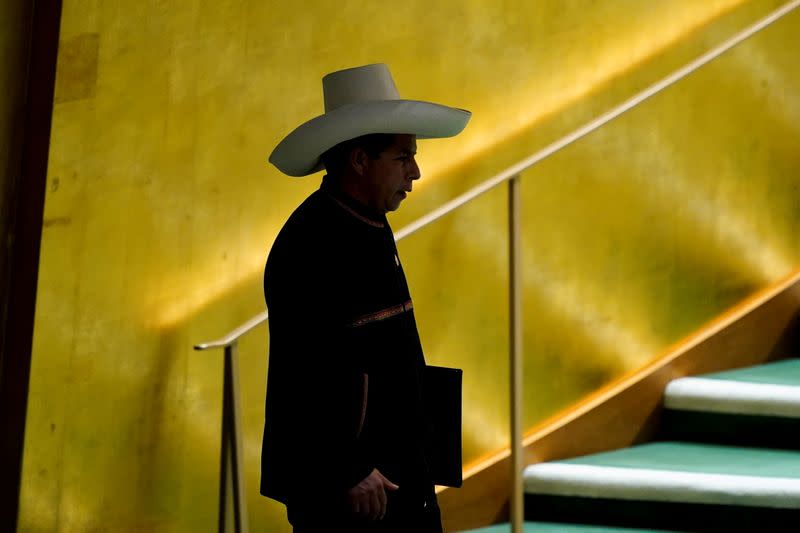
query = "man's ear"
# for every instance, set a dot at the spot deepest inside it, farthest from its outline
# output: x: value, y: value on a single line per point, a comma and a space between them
x: 358, y: 160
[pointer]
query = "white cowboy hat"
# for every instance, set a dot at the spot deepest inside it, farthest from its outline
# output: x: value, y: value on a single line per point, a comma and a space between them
x: 360, y: 101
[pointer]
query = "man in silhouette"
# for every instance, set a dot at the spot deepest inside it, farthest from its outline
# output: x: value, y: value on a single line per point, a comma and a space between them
x: 345, y: 438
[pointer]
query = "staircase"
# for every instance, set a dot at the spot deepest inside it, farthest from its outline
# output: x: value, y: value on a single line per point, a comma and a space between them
x: 727, y: 459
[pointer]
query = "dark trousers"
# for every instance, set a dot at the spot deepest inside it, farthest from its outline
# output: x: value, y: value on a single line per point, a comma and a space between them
x: 403, y: 515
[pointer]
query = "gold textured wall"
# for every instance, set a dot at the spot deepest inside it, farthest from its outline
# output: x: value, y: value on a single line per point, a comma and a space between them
x: 160, y: 211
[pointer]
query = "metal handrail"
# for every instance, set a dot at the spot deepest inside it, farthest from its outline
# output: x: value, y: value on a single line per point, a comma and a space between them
x: 234, y: 335
x: 552, y: 148
x: 232, y: 482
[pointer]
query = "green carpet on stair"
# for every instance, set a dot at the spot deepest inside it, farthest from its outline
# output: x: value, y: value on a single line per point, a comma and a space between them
x: 785, y: 372
x: 552, y: 527
x: 700, y: 458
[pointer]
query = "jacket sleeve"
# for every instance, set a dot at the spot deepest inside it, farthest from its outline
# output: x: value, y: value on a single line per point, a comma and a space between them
x: 318, y: 396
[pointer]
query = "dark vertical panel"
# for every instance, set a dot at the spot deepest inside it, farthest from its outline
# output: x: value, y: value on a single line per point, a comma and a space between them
x: 25, y: 186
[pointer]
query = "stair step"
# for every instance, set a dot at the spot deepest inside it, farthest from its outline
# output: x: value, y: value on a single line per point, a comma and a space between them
x: 560, y: 527
x: 677, y: 471
x: 757, y: 406
x: 765, y: 390
x: 674, y: 485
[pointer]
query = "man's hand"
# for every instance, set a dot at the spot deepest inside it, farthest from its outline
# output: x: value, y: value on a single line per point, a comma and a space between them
x: 368, y: 498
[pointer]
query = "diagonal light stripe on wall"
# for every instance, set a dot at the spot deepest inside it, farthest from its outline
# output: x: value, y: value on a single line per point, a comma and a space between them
x: 783, y: 102
x: 548, y: 97
x: 205, y: 285
x: 710, y: 215
x: 579, y: 305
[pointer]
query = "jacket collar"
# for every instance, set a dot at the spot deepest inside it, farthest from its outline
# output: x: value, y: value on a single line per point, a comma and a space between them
x: 355, y: 208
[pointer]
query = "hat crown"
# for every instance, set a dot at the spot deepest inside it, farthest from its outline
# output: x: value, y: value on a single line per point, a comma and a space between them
x: 359, y: 84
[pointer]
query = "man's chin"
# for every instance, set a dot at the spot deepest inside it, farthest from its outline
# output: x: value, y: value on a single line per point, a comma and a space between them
x: 394, y: 204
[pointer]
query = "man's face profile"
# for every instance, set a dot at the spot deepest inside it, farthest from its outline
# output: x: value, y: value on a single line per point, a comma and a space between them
x: 389, y: 177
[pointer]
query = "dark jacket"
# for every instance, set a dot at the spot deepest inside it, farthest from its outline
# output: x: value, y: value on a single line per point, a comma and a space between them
x: 344, y: 390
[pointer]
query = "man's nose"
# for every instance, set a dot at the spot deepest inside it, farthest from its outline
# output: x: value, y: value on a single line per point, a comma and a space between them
x: 415, y: 172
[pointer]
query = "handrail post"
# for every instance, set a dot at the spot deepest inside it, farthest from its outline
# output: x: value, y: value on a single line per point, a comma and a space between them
x: 515, y: 355
x: 232, y: 496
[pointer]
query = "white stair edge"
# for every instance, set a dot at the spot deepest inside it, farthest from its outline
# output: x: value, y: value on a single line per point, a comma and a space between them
x: 592, y: 481
x: 734, y: 397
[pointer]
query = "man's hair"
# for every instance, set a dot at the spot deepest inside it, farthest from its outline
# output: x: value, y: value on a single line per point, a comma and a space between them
x: 336, y: 159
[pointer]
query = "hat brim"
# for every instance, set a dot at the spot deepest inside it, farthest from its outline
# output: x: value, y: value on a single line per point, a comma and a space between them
x: 298, y: 154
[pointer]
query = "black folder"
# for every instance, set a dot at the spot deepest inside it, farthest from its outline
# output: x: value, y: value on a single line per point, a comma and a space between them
x: 442, y: 390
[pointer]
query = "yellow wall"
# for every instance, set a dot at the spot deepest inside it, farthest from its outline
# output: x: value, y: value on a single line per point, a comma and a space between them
x: 160, y: 211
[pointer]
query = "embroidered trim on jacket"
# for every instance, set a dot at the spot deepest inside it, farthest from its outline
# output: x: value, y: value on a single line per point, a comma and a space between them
x: 355, y: 214
x: 365, y: 395
x: 383, y: 314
